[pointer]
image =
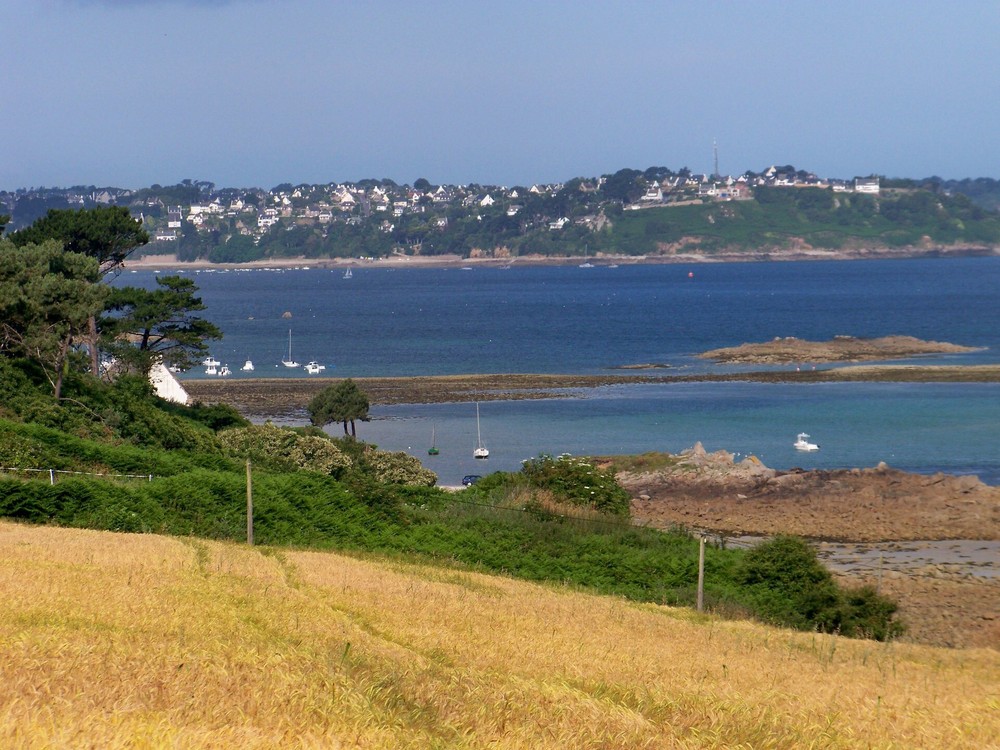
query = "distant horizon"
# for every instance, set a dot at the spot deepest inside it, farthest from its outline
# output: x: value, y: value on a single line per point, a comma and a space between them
x: 222, y: 186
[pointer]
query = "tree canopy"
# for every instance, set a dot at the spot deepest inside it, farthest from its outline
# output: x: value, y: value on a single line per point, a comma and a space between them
x: 341, y: 402
x: 107, y: 233
x: 47, y: 297
x: 146, y: 325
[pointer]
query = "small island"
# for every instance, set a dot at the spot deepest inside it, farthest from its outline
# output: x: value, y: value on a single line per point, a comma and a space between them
x: 790, y: 350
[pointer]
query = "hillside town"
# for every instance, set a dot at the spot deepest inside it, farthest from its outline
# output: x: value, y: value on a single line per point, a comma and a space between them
x: 384, y: 205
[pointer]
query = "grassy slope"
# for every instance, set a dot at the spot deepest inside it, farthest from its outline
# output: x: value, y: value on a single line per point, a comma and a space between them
x: 137, y: 640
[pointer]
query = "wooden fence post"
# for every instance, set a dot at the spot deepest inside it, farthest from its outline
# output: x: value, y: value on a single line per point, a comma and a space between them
x: 701, y: 573
x: 249, y: 505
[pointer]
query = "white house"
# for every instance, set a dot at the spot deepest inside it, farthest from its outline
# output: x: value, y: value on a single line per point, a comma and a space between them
x: 653, y: 194
x: 866, y: 185
x: 167, y: 386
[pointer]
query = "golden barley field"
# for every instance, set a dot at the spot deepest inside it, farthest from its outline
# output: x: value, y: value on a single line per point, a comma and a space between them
x: 114, y: 641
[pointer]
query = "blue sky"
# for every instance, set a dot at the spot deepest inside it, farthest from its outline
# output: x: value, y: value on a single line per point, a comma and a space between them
x: 255, y: 93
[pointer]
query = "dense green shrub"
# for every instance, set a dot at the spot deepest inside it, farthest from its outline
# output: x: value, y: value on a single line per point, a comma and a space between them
x: 577, y: 481
x: 283, y: 449
x: 395, y: 468
x: 868, y: 614
x: 788, y: 585
x: 215, y: 417
x: 55, y: 449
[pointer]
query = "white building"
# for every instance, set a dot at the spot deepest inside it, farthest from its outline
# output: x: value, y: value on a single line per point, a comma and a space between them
x: 866, y: 185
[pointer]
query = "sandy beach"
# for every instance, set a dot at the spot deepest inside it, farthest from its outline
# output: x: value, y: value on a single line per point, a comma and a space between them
x: 482, y: 259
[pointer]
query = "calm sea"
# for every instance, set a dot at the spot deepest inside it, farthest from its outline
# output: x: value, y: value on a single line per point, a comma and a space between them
x: 385, y: 322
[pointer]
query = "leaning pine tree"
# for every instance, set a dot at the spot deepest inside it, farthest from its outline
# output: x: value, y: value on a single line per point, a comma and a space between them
x: 341, y: 402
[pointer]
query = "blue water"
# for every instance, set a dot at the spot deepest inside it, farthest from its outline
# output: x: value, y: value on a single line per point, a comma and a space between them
x: 926, y: 428
x: 386, y: 322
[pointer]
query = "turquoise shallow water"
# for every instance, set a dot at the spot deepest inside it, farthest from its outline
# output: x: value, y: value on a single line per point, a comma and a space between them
x: 954, y: 429
x: 385, y: 322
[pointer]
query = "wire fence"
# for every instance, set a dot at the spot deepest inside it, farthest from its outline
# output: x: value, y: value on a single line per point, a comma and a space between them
x: 54, y: 473
x: 713, y: 538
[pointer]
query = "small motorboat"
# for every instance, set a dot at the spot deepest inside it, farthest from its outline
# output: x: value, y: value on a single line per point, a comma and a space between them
x: 314, y: 368
x: 224, y: 370
x: 802, y: 443
x: 247, y: 366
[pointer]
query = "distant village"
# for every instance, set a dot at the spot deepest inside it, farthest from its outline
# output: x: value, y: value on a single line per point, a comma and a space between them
x: 255, y: 212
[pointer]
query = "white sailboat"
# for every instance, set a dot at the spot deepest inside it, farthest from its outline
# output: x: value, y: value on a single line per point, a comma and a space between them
x: 348, y: 274
x: 289, y: 362
x: 480, y: 451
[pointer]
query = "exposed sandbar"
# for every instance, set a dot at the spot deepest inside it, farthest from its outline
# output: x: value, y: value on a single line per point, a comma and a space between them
x: 270, y: 397
x: 788, y: 349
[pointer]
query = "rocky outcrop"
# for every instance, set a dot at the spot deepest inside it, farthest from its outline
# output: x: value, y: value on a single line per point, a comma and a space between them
x: 712, y: 491
x: 788, y: 349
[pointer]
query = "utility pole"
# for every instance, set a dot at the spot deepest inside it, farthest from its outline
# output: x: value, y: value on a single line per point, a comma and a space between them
x: 249, y: 505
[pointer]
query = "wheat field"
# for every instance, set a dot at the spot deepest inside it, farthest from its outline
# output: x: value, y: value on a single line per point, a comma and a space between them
x: 113, y: 641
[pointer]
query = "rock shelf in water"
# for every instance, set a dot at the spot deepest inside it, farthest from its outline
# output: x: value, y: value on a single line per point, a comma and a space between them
x: 788, y: 349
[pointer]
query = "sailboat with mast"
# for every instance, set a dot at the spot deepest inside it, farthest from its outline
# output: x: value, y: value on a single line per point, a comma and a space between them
x: 480, y: 451
x: 289, y: 362
x: 433, y: 450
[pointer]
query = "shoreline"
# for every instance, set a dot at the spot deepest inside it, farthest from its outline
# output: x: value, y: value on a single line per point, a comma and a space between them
x: 160, y: 262
x: 266, y: 397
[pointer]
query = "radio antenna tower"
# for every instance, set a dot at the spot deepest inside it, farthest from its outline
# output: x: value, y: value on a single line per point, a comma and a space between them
x: 715, y: 156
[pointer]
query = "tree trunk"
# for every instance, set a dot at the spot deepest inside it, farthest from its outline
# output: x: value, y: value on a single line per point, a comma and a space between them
x: 61, y: 367
x: 92, y: 345
x: 346, y: 433
x: 353, y: 433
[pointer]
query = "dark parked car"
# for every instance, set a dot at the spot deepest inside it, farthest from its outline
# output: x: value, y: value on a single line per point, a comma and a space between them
x: 470, y: 479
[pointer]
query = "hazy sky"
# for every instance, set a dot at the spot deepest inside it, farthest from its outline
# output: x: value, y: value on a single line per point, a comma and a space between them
x: 259, y: 92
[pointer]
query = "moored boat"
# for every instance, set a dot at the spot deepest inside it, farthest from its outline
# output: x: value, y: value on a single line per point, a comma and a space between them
x: 480, y: 451
x: 802, y: 443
